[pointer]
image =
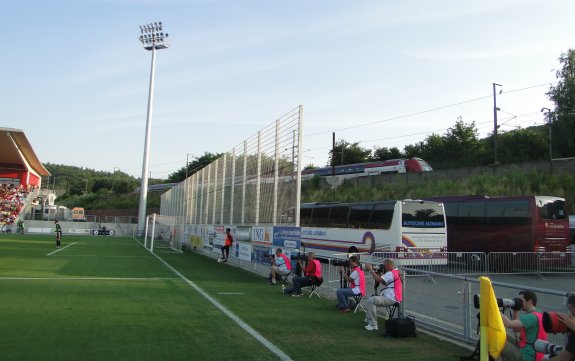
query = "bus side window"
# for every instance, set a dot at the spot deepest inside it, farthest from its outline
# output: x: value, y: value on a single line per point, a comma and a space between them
x: 471, y: 212
x: 338, y: 217
x: 451, y: 213
x: 514, y: 212
x: 381, y: 216
x: 494, y: 212
x: 305, y: 216
x: 320, y: 217
x: 359, y: 216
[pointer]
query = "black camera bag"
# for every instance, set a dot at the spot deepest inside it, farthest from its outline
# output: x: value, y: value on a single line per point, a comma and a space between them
x: 400, y: 327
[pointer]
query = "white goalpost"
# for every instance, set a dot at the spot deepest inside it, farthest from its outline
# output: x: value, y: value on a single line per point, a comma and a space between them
x: 160, y: 234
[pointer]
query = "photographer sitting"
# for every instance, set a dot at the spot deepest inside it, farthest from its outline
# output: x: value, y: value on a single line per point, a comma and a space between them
x: 530, y: 326
x: 312, y: 276
x: 568, y: 353
x: 392, y: 292
x: 356, y: 280
x: 281, y: 264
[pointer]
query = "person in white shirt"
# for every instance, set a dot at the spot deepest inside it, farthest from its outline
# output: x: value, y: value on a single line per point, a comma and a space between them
x: 389, y: 295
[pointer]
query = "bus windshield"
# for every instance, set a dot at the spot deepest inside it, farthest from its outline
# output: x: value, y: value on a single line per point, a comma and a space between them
x: 418, y: 215
x: 551, y: 209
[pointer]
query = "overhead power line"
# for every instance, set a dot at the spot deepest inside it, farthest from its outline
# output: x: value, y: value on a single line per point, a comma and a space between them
x: 426, y: 111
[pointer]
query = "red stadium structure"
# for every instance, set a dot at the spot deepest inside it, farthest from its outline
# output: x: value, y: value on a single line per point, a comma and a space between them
x: 19, y: 165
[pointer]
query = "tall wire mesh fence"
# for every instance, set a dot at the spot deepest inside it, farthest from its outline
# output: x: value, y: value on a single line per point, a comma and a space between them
x: 257, y: 182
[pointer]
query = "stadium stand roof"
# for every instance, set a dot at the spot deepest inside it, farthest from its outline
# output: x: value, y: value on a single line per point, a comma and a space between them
x: 17, y: 153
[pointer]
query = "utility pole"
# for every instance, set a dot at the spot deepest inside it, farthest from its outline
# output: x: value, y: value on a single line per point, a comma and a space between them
x: 333, y: 154
x: 549, y: 115
x: 495, y: 109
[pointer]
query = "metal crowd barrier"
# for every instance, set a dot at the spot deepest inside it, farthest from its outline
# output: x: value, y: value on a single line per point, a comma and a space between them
x: 446, y: 306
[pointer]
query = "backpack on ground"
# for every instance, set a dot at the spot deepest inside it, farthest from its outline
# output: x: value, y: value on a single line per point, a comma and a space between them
x: 400, y: 327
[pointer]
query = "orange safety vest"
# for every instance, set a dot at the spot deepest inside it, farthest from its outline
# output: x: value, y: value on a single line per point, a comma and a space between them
x: 229, y: 240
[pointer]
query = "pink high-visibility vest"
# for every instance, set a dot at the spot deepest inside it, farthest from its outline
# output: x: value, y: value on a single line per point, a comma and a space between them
x: 317, y: 273
x: 361, y: 281
x: 397, y: 285
x: 287, y: 261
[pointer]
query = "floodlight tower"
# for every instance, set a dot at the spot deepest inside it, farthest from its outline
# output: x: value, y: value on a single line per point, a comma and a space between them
x: 152, y: 38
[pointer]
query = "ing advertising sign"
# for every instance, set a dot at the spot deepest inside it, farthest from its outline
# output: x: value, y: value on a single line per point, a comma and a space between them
x: 262, y: 235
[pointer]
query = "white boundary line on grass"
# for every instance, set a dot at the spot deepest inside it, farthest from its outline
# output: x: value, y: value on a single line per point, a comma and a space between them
x: 60, y: 249
x: 261, y: 339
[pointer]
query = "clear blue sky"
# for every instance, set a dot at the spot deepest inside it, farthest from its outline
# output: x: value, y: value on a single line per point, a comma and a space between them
x: 75, y: 77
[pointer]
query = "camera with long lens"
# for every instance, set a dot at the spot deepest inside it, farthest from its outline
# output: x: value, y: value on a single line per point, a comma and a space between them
x: 515, y: 304
x: 299, y: 257
x: 340, y: 262
x: 547, y: 347
x: 380, y: 269
x: 552, y: 324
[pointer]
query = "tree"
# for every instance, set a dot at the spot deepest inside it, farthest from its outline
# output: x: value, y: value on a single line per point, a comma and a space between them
x: 431, y: 150
x: 385, y: 153
x: 348, y: 153
x: 461, y: 142
x: 523, y: 145
x: 102, y: 185
x: 123, y: 186
x: 195, y: 165
x: 563, y: 95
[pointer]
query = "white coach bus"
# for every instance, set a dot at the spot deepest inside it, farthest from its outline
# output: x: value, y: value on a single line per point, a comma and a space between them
x: 413, y: 230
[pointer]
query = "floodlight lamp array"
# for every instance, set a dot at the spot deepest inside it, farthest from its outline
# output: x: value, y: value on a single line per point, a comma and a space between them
x: 152, y: 36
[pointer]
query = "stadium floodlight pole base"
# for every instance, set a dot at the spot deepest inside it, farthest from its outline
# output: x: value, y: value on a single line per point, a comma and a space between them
x: 146, y: 232
x: 153, y: 232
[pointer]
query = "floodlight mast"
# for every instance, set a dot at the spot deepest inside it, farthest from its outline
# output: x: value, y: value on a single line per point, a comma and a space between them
x: 152, y: 38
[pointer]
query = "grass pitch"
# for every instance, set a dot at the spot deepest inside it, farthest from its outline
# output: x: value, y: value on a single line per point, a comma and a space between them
x: 108, y: 298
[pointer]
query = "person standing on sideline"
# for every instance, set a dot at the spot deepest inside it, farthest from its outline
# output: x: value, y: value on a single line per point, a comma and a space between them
x: 58, y: 233
x: 227, y: 244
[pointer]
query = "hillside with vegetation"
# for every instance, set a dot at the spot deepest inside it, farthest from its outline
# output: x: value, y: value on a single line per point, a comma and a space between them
x: 516, y: 183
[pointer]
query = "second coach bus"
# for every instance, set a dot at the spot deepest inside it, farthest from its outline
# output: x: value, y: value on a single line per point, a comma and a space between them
x: 414, y: 227
x: 506, y: 224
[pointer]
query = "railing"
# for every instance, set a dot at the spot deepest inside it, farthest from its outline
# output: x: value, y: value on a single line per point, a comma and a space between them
x: 478, y: 263
x: 446, y: 305
x: 120, y: 219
